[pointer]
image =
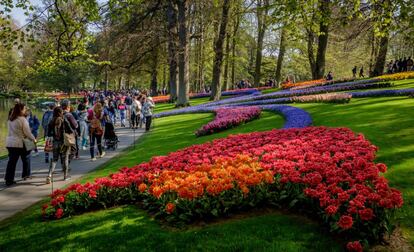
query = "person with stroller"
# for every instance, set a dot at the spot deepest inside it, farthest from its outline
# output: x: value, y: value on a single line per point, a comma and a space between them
x: 111, y: 139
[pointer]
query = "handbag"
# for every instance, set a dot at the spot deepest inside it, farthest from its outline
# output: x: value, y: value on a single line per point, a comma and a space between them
x: 29, y: 145
x: 49, y: 145
x: 69, y: 139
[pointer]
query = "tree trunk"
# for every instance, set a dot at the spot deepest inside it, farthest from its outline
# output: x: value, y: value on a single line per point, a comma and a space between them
x: 120, y: 82
x: 226, y: 65
x: 154, y: 72
x: 311, y: 57
x: 183, y: 59
x: 324, y: 8
x: 261, y: 29
x: 233, y: 50
x: 218, y: 50
x: 381, y: 57
x: 172, y: 49
x: 106, y: 80
x: 128, y: 79
x: 282, y: 50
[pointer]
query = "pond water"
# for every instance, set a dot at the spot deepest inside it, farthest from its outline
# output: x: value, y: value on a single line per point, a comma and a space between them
x: 5, y: 106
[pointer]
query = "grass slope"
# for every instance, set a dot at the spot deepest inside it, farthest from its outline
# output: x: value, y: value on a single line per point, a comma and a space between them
x: 129, y: 228
x: 386, y: 122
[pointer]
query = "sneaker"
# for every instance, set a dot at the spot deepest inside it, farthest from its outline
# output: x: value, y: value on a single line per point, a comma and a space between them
x: 84, y: 148
x: 67, y: 178
x: 102, y: 155
x: 93, y: 159
x: 35, y: 154
x: 48, y: 180
x: 10, y: 183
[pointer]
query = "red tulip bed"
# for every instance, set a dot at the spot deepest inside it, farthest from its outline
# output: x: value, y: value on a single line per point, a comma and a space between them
x: 328, y: 173
x: 227, y: 118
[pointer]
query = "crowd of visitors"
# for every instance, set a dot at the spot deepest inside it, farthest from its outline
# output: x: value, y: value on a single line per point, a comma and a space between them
x: 69, y: 128
x: 400, y: 65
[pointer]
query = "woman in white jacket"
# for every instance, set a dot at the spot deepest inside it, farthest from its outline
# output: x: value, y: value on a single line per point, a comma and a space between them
x: 18, y: 129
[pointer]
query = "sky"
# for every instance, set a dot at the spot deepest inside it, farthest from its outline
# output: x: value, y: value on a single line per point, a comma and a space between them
x: 18, y: 14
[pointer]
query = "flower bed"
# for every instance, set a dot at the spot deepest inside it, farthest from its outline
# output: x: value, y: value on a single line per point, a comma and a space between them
x: 327, y: 172
x: 397, y: 76
x: 161, y: 98
x: 227, y: 118
x: 362, y: 84
x: 383, y: 93
x: 304, y: 83
x: 294, y: 117
x: 325, y: 98
x: 235, y: 92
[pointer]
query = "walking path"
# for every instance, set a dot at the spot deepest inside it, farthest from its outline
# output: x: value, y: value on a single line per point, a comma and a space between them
x: 25, y: 193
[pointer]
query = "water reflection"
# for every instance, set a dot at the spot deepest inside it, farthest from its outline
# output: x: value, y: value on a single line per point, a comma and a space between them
x: 5, y: 106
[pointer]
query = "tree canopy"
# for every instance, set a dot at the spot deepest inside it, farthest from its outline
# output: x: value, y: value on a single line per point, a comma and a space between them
x: 196, y: 45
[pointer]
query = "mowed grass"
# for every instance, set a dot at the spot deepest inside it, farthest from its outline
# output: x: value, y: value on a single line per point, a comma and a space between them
x: 386, y: 122
x: 129, y: 228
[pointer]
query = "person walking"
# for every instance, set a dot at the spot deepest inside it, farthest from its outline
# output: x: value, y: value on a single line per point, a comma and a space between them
x: 95, y: 118
x: 34, y: 125
x: 122, y: 112
x: 46, y: 119
x: 62, y: 125
x: 410, y: 64
x: 83, y: 126
x: 354, y: 72
x: 329, y: 77
x: 18, y: 130
x: 361, y: 72
x: 75, y: 115
x: 135, y: 112
x: 147, y: 112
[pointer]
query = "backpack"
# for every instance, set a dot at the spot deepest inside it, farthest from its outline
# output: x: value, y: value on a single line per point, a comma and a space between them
x: 47, y: 118
x: 96, y: 126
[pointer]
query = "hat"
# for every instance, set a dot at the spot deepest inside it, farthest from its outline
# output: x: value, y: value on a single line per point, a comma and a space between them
x: 16, y: 101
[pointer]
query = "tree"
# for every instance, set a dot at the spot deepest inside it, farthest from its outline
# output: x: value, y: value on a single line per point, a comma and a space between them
x: 262, y: 11
x: 218, y: 50
x: 172, y: 31
x: 282, y: 50
x: 183, y: 54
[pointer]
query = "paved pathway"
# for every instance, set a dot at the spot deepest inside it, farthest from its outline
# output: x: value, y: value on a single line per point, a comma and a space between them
x: 25, y: 193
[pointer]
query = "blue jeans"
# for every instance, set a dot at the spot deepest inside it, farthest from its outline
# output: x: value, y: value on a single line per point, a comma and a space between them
x: 84, y: 133
x: 123, y: 115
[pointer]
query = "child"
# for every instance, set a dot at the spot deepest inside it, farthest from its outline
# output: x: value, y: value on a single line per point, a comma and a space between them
x: 122, y: 112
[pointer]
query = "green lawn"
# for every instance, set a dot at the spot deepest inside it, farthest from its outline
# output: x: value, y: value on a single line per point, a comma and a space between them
x: 129, y: 228
x: 386, y: 122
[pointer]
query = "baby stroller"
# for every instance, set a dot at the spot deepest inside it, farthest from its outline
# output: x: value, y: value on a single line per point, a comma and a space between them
x: 111, y: 139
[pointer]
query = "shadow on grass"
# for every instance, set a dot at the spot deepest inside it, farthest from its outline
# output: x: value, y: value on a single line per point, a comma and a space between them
x: 128, y: 228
